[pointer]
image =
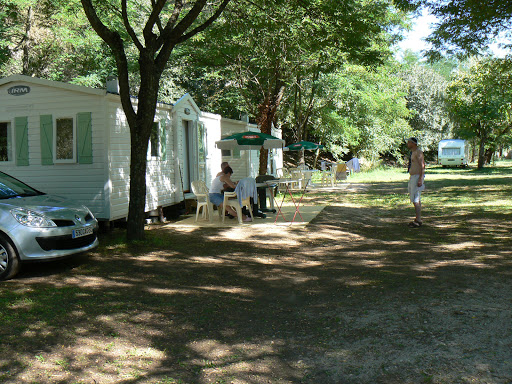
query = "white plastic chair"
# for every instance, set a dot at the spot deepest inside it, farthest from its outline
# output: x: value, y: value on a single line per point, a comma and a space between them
x: 329, y: 176
x: 295, y: 174
x: 231, y: 200
x: 200, y: 189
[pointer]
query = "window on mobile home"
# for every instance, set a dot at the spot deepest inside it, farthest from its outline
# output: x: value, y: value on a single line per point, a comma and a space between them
x: 65, y: 140
x: 5, y: 142
x: 451, y: 151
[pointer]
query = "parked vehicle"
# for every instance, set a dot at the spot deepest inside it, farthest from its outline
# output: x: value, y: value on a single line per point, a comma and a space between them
x: 453, y: 152
x: 37, y: 226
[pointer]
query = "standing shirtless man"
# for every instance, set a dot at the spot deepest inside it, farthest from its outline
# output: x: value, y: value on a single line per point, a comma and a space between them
x: 417, y: 175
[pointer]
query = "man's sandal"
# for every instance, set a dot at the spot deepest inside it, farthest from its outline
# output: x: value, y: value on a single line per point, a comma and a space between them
x: 415, y: 224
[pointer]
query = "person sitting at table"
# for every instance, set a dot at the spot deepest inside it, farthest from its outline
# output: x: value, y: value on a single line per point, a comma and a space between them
x: 217, y: 187
x: 223, y: 166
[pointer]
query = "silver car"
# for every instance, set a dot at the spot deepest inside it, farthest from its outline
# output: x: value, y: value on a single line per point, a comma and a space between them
x: 37, y: 226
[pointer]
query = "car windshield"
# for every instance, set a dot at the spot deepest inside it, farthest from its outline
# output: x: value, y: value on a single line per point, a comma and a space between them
x: 11, y: 187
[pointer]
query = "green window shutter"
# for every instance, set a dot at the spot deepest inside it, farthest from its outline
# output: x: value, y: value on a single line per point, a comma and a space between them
x: 84, y: 137
x: 46, y: 122
x: 163, y: 140
x: 21, y: 124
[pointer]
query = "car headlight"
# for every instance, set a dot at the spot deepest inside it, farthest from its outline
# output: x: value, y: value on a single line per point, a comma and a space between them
x: 31, y: 218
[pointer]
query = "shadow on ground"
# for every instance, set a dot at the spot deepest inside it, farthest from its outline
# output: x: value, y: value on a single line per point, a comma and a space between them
x: 355, y: 297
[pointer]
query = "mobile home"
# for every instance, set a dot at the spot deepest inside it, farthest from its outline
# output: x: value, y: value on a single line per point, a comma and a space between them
x: 453, y: 152
x: 75, y: 141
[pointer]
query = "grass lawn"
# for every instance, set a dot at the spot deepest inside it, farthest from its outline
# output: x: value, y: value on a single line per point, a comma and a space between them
x: 354, y: 297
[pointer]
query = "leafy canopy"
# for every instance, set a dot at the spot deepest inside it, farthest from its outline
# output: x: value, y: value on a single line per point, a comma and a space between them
x: 466, y: 27
x: 480, y: 101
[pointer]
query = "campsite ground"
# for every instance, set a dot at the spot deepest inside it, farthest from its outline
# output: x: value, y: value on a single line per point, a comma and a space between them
x: 354, y: 297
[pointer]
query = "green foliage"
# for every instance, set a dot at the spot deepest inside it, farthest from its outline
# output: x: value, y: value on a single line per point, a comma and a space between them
x: 261, y: 48
x: 465, y: 27
x: 426, y: 99
x: 51, y: 39
x: 468, y: 26
x: 480, y: 101
x: 367, y: 114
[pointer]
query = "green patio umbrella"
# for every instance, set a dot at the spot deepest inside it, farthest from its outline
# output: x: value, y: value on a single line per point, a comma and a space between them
x: 303, y: 145
x: 250, y: 140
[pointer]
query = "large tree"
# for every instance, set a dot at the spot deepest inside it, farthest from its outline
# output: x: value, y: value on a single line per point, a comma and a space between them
x: 265, y: 54
x: 426, y: 100
x: 364, y: 111
x: 154, y: 28
x: 480, y: 102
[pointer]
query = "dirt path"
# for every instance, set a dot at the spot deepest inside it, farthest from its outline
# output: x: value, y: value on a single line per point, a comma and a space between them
x: 355, y: 297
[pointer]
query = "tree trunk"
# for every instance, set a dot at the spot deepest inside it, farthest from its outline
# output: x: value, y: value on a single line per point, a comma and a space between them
x: 488, y: 155
x: 140, y: 131
x: 138, y: 163
x: 263, y: 162
x: 27, y: 43
x: 481, y: 154
x: 265, y: 118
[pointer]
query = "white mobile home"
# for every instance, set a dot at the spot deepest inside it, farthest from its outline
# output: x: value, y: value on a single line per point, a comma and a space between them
x: 453, y: 152
x: 74, y: 141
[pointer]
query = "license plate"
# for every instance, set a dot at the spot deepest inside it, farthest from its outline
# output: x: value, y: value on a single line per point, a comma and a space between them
x: 82, y: 232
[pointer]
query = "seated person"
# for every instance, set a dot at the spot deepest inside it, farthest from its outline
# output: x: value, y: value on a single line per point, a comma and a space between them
x: 216, y: 196
x: 223, y: 166
x: 226, y: 188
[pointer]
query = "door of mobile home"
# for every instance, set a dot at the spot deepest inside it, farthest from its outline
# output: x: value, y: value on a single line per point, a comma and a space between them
x: 202, y: 151
x: 189, y: 166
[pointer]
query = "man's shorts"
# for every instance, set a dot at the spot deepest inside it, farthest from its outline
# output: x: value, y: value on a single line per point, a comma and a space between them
x: 414, y: 190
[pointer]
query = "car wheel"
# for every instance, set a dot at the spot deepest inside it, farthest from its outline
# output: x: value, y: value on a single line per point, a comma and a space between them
x: 9, y: 260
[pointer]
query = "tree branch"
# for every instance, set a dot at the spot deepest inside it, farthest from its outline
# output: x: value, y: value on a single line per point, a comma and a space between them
x: 128, y: 27
x: 178, y: 7
x: 110, y: 37
x: 153, y: 19
x: 187, y: 21
x: 158, y: 21
x: 182, y: 26
x: 115, y: 43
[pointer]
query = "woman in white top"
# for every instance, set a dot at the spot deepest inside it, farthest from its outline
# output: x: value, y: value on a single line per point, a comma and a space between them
x: 216, y: 196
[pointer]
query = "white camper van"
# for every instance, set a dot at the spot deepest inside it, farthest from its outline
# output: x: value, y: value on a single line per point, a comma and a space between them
x: 453, y: 152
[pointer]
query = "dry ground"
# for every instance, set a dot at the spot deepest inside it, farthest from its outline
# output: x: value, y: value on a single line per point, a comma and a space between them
x: 355, y: 297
